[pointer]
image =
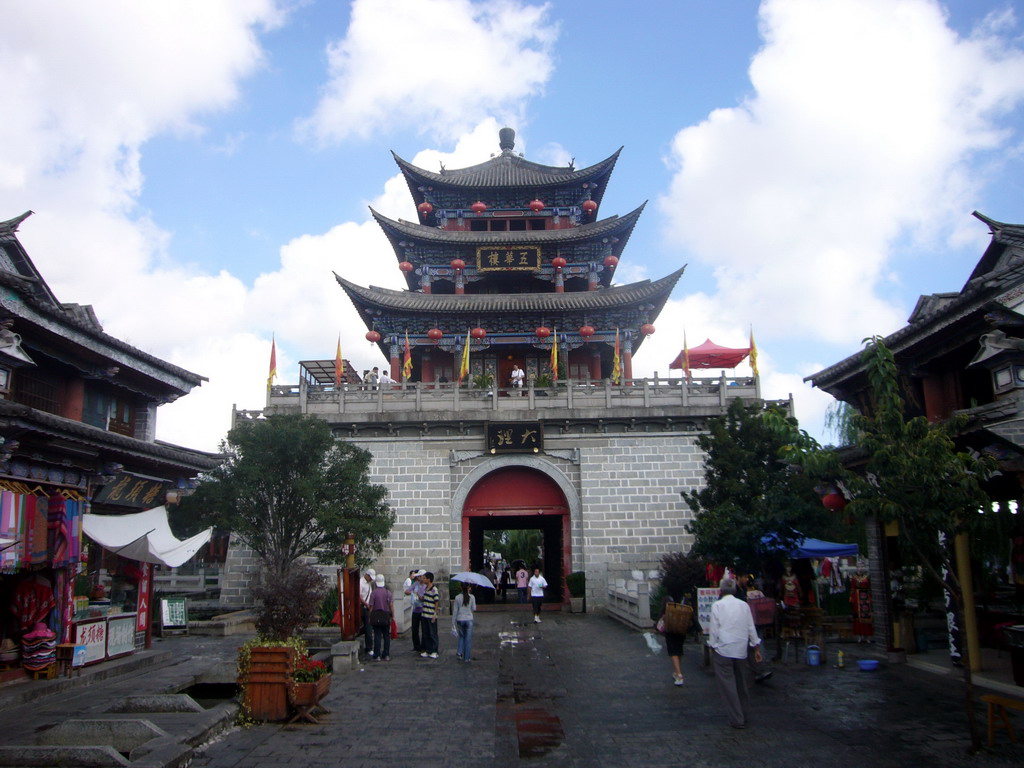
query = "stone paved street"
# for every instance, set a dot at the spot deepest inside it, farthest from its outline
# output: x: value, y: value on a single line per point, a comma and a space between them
x: 581, y: 690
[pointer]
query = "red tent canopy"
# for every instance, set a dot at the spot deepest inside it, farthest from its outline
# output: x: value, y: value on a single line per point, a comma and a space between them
x: 710, y: 355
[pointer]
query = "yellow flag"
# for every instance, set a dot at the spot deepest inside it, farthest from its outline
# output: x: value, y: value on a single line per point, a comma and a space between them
x: 464, y: 365
x: 273, y: 363
x: 617, y: 362
x: 753, y: 352
x: 407, y: 365
x: 554, y: 355
x: 339, y: 366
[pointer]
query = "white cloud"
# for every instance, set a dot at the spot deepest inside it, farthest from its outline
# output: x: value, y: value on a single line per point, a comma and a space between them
x: 94, y: 88
x: 390, y: 70
x: 863, y: 118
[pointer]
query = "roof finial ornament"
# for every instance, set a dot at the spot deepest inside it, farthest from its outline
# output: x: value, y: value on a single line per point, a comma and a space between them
x: 507, y: 140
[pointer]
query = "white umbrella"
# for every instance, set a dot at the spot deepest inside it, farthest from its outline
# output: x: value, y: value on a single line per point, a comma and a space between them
x: 473, y: 578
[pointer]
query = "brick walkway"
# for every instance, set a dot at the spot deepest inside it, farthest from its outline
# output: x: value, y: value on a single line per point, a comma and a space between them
x: 585, y: 691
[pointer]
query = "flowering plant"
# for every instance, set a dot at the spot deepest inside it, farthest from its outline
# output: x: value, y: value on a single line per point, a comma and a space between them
x: 309, y: 670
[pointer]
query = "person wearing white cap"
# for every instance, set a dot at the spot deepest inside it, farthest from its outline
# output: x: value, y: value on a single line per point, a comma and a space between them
x: 365, y: 588
x: 382, y: 611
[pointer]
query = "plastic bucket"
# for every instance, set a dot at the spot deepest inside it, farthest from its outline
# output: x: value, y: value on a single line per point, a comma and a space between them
x: 813, y: 655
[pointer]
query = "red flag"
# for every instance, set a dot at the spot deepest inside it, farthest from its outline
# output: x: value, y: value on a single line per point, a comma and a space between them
x: 273, y: 363
x: 407, y: 365
x: 339, y: 366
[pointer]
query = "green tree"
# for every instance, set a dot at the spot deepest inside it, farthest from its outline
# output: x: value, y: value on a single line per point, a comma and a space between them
x: 912, y: 474
x: 289, y: 489
x: 749, y: 492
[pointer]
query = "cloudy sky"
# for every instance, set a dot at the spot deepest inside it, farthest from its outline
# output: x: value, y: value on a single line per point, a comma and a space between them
x: 198, y: 169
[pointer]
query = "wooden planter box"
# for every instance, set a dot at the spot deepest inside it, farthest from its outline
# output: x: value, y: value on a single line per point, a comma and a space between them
x: 266, y: 686
x: 306, y: 699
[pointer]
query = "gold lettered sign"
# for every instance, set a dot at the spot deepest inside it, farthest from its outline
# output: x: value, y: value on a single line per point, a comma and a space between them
x: 515, y: 437
x: 133, y: 491
x: 521, y: 258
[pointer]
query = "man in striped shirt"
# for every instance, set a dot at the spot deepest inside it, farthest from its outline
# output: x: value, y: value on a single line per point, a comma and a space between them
x: 431, y: 601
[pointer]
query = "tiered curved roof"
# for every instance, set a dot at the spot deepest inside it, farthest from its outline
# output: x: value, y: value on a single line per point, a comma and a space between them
x: 461, y: 187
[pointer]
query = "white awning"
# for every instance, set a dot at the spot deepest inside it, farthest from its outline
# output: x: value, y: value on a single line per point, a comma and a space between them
x: 143, y: 536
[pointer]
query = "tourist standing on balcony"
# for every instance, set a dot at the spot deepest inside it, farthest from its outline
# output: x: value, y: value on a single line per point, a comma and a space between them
x: 431, y: 607
x: 518, y: 374
x: 385, y: 377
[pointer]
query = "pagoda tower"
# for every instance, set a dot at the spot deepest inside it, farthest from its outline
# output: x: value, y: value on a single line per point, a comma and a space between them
x: 515, y: 255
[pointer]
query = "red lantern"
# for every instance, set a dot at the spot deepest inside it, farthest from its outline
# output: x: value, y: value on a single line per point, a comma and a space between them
x: 458, y: 264
x: 647, y: 329
x: 542, y: 332
x: 435, y: 334
x: 834, y: 502
x: 536, y: 206
x: 478, y: 207
x: 558, y: 262
x: 478, y: 333
x: 425, y: 208
x: 589, y: 206
x: 586, y: 331
x: 611, y: 261
x: 373, y: 337
x: 406, y: 266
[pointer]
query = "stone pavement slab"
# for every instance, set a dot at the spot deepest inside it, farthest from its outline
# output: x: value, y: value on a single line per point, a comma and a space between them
x: 582, y: 690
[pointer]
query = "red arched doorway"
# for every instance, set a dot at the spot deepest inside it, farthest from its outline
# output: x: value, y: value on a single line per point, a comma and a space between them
x: 517, y: 498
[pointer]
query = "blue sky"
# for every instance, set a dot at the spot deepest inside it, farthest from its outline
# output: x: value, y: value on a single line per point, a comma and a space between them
x: 198, y: 169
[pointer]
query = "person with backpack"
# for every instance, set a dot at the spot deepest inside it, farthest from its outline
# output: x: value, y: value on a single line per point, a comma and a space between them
x: 675, y: 620
x: 382, y: 611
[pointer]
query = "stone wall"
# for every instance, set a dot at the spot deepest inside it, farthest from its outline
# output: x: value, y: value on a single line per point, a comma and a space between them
x: 622, y: 490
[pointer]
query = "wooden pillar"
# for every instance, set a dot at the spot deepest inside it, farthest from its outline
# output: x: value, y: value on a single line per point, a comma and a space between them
x: 595, y: 364
x: 592, y: 281
x: 963, y: 570
x: 74, y: 400
x: 559, y: 281
x: 396, y: 363
x: 460, y: 282
x: 427, y: 370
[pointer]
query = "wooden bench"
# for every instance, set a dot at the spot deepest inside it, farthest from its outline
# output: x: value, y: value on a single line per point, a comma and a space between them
x: 997, y: 706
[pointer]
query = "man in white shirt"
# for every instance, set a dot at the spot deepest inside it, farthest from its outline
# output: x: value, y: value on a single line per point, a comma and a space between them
x: 365, y: 589
x: 732, y: 635
x: 518, y: 374
x: 385, y: 377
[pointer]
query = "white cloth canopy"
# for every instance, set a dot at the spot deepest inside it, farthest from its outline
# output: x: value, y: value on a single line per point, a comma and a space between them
x: 143, y: 536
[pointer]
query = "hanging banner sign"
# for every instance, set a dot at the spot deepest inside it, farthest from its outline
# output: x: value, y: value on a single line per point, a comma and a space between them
x: 706, y: 597
x: 142, y: 617
x: 128, y: 490
x: 523, y: 258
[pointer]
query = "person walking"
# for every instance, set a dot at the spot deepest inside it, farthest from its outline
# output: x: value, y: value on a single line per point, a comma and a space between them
x: 522, y: 582
x: 732, y: 634
x: 382, y: 611
x: 431, y: 600
x: 675, y: 613
x: 462, y: 621
x: 365, y: 588
x: 537, y: 585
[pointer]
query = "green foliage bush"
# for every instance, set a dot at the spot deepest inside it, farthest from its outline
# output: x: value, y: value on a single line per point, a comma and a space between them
x: 576, y: 583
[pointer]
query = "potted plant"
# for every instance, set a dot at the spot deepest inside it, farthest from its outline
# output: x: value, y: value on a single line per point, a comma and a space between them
x: 312, y: 681
x: 265, y: 673
x: 541, y: 384
x: 576, y: 583
x: 483, y: 380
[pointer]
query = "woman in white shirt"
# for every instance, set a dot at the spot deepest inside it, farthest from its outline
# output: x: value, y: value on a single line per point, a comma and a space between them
x: 537, y: 586
x: 462, y: 621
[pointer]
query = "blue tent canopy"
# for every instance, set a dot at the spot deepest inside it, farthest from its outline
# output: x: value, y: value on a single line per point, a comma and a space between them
x: 812, y: 548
